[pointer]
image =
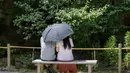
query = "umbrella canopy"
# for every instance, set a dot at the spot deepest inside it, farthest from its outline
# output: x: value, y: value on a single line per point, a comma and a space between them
x: 56, y: 32
x: 46, y: 31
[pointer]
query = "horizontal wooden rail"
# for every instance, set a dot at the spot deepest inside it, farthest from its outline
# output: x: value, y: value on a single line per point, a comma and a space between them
x: 93, y: 48
x: 3, y: 47
x: 126, y: 48
x: 24, y: 47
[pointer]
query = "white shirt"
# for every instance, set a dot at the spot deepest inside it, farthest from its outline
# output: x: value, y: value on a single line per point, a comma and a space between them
x: 65, y: 54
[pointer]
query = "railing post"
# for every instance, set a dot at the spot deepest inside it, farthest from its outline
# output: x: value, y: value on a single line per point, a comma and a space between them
x: 33, y: 53
x: 94, y: 57
x: 119, y: 58
x: 8, y: 56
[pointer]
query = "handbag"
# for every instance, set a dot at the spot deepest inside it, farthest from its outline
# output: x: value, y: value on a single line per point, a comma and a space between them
x: 51, y: 70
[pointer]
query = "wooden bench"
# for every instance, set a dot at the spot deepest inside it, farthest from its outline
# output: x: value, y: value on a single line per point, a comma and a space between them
x: 89, y: 63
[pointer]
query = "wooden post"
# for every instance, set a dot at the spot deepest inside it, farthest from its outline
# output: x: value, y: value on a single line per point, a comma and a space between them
x: 120, y: 58
x: 8, y: 56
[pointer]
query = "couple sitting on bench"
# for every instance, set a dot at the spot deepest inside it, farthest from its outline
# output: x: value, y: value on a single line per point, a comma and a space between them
x: 64, y: 54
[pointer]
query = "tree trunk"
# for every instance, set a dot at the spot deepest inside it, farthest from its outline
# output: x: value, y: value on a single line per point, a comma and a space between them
x: 9, y: 6
x: 116, y: 1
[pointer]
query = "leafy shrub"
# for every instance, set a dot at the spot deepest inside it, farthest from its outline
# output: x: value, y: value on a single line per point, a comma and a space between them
x: 127, y: 39
x: 127, y: 60
x: 111, y: 56
x: 3, y: 53
x: 127, y: 44
x: 25, y: 61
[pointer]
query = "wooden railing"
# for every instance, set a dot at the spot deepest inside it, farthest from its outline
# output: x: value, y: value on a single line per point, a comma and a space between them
x: 9, y: 47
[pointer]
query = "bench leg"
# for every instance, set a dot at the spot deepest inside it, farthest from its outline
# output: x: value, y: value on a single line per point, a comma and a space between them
x: 89, y: 69
x: 42, y: 68
x: 38, y: 68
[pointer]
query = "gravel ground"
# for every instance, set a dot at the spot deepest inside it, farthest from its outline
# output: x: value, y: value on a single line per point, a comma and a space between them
x: 78, y: 72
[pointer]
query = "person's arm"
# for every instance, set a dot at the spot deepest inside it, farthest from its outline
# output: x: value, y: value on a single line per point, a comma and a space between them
x: 71, y: 42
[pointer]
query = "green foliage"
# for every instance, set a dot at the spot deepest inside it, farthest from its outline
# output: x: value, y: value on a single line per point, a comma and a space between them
x: 25, y: 61
x: 96, y: 20
x: 103, y: 21
x: 127, y: 55
x: 3, y: 53
x: 127, y: 39
x: 30, y: 21
x: 127, y: 60
x: 92, y: 4
x: 111, y: 42
x: 37, y: 14
x: 111, y: 56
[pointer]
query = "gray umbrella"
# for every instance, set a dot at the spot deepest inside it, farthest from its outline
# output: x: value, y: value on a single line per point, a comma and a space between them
x: 46, y: 31
x: 56, y: 32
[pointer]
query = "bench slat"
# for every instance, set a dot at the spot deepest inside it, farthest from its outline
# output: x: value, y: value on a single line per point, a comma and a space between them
x: 93, y: 62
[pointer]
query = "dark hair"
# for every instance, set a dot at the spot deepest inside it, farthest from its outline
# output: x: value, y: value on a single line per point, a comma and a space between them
x: 66, y: 43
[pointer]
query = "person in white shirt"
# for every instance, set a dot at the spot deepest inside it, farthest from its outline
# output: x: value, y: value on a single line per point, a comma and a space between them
x: 64, y: 49
x: 48, y: 52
